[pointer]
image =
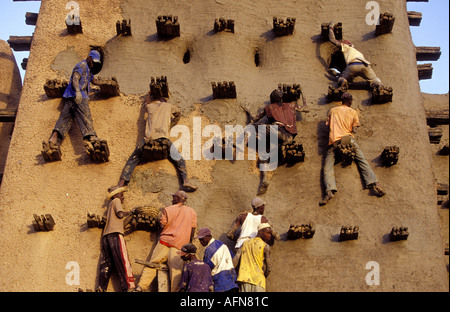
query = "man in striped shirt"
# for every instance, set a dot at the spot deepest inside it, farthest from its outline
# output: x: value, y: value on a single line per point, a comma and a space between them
x: 220, y: 260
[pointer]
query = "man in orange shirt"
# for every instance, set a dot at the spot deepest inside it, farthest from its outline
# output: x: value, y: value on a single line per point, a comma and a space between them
x: 342, y: 122
x: 178, y: 223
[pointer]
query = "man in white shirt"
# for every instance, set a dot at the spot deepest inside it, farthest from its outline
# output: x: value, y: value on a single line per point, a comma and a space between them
x: 357, y: 65
x: 220, y: 260
x: 248, y: 222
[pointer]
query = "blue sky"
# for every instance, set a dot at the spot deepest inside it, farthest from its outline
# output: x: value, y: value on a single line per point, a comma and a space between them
x: 433, y: 31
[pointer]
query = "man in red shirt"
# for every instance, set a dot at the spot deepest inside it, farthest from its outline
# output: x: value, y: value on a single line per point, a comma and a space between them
x: 342, y: 122
x: 178, y: 223
x: 283, y: 115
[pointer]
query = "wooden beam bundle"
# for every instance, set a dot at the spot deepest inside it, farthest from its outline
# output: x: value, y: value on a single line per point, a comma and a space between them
x: 386, y: 24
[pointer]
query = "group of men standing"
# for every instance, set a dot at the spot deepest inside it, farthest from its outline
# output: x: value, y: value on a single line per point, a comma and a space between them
x: 220, y: 269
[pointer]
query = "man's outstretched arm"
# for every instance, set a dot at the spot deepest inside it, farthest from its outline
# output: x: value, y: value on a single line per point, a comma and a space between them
x: 331, y: 35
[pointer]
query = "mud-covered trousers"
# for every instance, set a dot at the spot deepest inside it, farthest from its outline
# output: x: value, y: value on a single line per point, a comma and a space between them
x: 115, y: 256
x: 367, y: 173
x: 81, y: 113
x: 174, y: 157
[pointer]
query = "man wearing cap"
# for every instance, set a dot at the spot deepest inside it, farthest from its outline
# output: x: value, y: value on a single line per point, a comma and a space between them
x: 76, y: 104
x: 161, y: 116
x: 248, y: 222
x: 357, y: 65
x: 254, y: 261
x: 220, y: 260
x: 196, y: 275
x: 178, y: 223
x: 342, y: 123
x: 114, y: 253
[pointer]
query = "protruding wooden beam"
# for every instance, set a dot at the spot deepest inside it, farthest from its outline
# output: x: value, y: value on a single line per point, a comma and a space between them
x: 20, y: 43
x: 437, y: 117
x: 31, y: 18
x: 442, y: 188
x: 415, y: 18
x: 435, y: 135
x: 425, y: 71
x: 428, y: 53
x: 7, y: 115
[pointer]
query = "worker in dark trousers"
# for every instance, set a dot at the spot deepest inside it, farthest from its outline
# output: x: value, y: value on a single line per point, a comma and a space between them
x: 114, y: 250
x: 76, y: 107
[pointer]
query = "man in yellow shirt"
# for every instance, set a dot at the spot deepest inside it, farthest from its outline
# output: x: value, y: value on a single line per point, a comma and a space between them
x: 342, y: 122
x: 254, y: 261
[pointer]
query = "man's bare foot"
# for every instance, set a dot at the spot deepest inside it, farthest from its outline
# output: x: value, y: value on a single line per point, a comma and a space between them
x: 327, y: 198
x: 378, y: 190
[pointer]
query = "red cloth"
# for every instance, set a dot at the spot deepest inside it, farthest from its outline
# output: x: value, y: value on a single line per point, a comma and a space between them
x: 178, y: 221
x: 285, y: 114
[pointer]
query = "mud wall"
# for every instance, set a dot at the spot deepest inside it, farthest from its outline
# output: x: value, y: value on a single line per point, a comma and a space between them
x: 10, y: 88
x: 70, y: 188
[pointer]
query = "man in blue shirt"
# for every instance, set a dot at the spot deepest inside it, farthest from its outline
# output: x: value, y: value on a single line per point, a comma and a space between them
x: 220, y: 260
x: 76, y: 106
x: 196, y: 274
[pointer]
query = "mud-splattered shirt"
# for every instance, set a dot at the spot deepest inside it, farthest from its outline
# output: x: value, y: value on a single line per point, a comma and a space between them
x: 220, y: 260
x: 81, y: 68
x: 196, y: 277
x: 341, y: 121
x: 114, y: 224
x: 160, y: 116
x: 352, y: 55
